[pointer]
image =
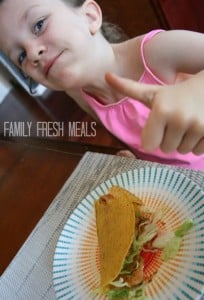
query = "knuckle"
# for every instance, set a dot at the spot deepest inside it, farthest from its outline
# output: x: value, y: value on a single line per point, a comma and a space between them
x: 166, y: 111
x: 149, y: 96
x: 184, y: 148
x: 197, y: 127
x: 199, y: 148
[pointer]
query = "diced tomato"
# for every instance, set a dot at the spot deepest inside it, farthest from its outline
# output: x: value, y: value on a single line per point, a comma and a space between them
x: 152, y: 263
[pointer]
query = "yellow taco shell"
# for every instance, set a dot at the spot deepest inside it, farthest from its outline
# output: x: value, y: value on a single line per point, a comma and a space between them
x: 115, y: 222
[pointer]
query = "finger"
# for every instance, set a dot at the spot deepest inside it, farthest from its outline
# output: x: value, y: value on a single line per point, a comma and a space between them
x: 142, y: 92
x: 153, y: 132
x: 189, y: 142
x: 172, y: 138
x: 199, y: 148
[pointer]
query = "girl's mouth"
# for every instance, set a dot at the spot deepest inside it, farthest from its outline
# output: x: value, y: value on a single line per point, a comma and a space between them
x: 50, y: 63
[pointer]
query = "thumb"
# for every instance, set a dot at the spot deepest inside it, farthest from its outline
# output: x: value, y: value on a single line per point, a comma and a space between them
x: 143, y: 92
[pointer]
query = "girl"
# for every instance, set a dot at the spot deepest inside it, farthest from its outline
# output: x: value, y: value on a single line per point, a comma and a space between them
x: 61, y: 44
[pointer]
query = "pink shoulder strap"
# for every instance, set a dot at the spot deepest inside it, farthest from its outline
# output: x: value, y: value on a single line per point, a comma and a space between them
x: 146, y: 38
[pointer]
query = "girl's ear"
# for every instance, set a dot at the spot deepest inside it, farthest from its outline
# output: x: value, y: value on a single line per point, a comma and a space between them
x: 93, y: 14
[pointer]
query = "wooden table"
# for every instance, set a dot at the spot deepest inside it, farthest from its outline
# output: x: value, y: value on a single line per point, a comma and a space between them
x: 30, y: 177
x: 32, y: 170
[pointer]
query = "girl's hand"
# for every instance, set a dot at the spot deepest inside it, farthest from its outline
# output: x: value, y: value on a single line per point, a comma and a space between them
x: 176, y: 120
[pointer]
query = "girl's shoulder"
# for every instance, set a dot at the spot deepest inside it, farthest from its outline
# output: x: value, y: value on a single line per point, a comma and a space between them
x: 135, y: 55
x: 144, y: 51
x: 129, y: 53
x: 139, y: 40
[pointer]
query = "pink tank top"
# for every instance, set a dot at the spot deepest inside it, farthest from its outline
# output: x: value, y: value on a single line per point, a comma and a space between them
x: 126, y: 119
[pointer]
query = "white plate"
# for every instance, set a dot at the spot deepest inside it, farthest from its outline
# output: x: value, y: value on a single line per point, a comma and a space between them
x: 76, y: 260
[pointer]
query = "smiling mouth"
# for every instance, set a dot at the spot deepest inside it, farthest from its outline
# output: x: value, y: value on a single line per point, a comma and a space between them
x: 50, y: 63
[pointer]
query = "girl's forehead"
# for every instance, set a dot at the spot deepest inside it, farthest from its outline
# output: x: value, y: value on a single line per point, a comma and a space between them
x: 23, y: 4
x: 19, y: 6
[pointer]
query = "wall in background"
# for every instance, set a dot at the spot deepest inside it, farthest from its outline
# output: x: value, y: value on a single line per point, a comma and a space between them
x: 183, y: 14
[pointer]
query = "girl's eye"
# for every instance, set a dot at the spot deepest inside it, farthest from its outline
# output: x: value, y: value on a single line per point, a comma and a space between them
x: 38, y: 26
x: 21, y: 57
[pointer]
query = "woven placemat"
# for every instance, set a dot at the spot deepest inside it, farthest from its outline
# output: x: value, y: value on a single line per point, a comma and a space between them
x: 29, y: 276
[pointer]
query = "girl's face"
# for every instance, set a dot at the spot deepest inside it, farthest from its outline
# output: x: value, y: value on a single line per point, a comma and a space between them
x: 50, y: 40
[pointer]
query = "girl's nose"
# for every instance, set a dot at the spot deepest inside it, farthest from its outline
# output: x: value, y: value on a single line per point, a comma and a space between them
x: 36, y: 58
x: 35, y: 53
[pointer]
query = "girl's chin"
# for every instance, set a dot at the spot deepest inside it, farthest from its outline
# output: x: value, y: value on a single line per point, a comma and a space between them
x: 63, y: 80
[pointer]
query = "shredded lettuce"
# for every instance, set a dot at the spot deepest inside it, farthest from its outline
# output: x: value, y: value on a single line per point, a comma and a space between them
x: 170, y: 242
x: 171, y: 248
x: 118, y: 293
x: 119, y: 283
x: 157, y: 216
x: 137, y: 214
x: 173, y: 245
x: 162, y: 239
x: 136, y: 245
x: 136, y: 293
x: 184, y: 228
x: 150, y: 231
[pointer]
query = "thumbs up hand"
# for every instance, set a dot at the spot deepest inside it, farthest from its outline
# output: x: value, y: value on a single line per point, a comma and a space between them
x: 176, y: 120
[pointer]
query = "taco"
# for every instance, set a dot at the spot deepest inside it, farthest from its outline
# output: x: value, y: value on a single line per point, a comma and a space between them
x: 117, y: 219
x: 127, y: 235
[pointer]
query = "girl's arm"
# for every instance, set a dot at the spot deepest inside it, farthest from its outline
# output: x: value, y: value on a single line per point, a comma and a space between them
x: 176, y: 120
x: 176, y: 51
